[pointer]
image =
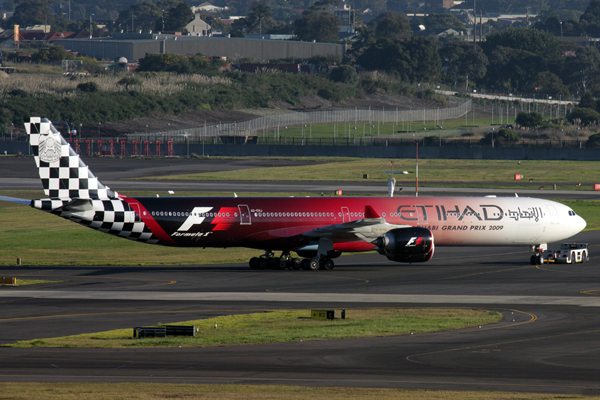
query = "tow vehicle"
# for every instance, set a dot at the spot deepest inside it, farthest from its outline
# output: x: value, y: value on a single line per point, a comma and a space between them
x: 569, y: 253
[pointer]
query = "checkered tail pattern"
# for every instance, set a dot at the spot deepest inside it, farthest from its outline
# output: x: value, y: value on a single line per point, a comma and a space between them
x: 74, y: 192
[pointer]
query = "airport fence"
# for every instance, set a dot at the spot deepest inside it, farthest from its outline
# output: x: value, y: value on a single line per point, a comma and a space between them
x: 277, y: 124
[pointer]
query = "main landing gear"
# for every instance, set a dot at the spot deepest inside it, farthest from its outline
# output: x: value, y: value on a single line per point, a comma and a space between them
x: 285, y: 261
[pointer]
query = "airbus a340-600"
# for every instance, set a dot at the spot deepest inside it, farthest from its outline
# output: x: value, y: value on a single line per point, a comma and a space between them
x: 317, y: 229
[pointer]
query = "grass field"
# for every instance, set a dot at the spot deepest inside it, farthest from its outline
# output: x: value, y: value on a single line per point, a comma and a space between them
x: 155, y: 391
x: 487, y: 173
x: 284, y: 326
x: 401, y: 130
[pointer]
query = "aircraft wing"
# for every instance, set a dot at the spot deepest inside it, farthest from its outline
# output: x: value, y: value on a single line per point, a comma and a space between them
x: 15, y: 200
x: 367, y: 229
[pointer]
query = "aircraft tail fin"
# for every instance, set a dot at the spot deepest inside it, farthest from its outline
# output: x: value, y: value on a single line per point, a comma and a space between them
x: 64, y: 175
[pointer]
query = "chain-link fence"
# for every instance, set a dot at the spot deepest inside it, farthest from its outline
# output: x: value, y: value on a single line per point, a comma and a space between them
x: 262, y: 125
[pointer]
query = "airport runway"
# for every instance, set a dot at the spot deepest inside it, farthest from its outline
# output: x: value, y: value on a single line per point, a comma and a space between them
x: 547, y: 342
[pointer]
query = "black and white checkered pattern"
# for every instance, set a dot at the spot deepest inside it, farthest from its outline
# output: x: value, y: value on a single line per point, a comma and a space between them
x: 64, y: 175
x: 75, y: 192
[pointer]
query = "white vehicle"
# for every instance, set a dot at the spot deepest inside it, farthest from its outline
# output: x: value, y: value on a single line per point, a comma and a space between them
x: 569, y: 253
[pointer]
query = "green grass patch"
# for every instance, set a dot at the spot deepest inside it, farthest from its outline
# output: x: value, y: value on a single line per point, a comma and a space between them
x: 27, y: 282
x: 285, y: 326
x: 487, y: 172
x: 155, y: 391
x: 357, y: 129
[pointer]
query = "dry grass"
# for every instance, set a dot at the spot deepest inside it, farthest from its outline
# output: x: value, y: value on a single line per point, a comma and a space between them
x: 164, y: 83
x: 152, y: 391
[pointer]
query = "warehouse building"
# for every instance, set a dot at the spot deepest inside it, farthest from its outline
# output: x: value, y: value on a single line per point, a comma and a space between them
x: 136, y: 46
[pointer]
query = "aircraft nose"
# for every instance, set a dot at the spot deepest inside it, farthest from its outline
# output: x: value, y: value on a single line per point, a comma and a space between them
x: 581, y: 224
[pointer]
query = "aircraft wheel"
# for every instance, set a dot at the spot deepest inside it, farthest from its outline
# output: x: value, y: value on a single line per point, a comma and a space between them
x: 282, y: 263
x: 305, y: 264
x: 297, y: 263
x: 253, y: 263
x: 327, y: 264
x: 313, y: 264
x: 539, y: 259
x: 533, y: 260
x: 262, y: 263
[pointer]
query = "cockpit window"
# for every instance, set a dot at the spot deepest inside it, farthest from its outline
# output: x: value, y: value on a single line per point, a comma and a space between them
x: 572, y: 213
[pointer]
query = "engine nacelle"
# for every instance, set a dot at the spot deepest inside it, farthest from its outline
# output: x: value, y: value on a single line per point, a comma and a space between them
x: 413, y: 244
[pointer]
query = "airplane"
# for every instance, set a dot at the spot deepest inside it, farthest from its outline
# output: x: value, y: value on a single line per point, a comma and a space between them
x: 317, y: 229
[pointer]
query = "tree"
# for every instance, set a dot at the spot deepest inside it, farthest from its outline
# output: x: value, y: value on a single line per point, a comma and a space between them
x: 587, y: 101
x: 178, y: 17
x: 259, y: 15
x: 317, y: 26
x: 529, y: 40
x: 391, y: 25
x: 590, y: 20
x: 438, y: 21
x: 465, y: 60
x: 549, y: 84
x: 530, y: 120
x: 584, y: 67
x: 142, y: 16
x: 31, y: 12
x: 414, y: 59
x: 53, y: 54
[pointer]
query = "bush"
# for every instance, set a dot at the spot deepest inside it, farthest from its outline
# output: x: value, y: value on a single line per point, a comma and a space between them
x: 530, y: 120
x: 502, y: 138
x: 344, y: 74
x: 593, y: 141
x: 129, y: 81
x: 88, y: 87
x: 584, y: 116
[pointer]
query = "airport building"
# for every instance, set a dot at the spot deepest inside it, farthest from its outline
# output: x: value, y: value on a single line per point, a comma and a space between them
x: 136, y: 46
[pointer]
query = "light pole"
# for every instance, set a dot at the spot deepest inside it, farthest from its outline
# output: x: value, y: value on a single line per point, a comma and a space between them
x: 91, y: 30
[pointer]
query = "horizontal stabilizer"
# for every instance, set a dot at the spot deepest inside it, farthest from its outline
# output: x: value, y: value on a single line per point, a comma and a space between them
x: 15, y: 200
x: 78, y: 205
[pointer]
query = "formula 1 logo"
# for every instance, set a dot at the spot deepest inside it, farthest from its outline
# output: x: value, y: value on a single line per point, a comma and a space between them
x: 197, y: 216
x: 414, y: 242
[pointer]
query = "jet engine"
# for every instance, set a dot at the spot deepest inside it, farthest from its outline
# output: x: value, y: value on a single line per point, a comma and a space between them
x: 413, y: 244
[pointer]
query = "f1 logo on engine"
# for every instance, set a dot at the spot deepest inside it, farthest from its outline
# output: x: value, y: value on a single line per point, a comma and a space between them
x: 196, y: 217
x: 414, y: 242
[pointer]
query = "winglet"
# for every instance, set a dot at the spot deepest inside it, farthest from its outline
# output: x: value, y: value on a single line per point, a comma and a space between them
x: 371, y: 213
